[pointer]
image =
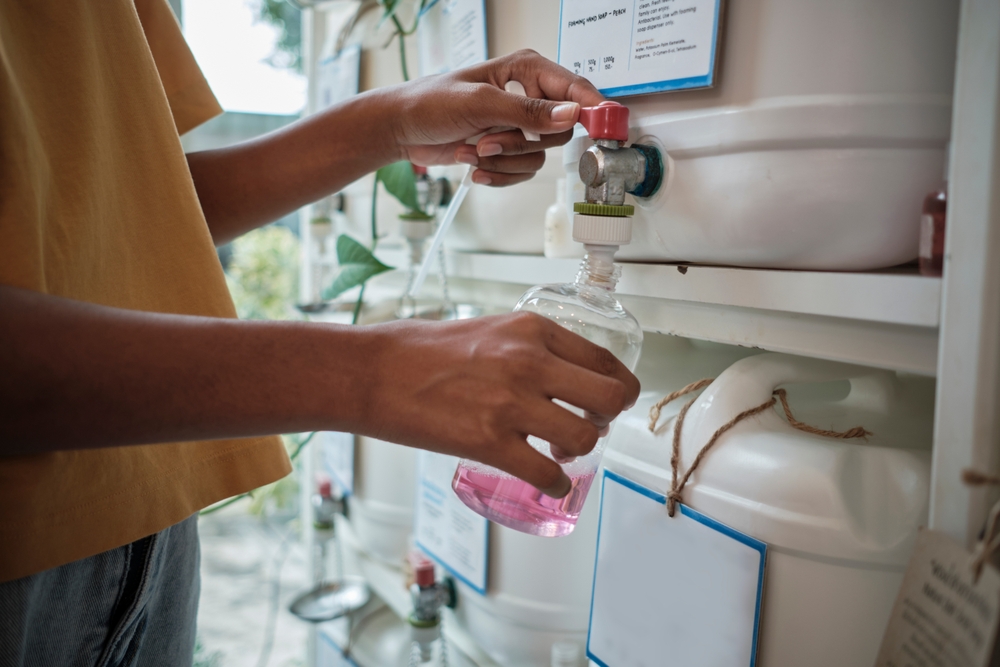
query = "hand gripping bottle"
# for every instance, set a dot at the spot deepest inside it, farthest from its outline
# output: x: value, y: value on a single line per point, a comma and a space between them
x: 587, y: 307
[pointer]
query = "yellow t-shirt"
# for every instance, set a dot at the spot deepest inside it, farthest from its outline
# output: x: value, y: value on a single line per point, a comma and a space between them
x: 97, y: 204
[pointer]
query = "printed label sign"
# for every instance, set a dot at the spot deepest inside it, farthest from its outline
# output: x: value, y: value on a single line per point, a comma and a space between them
x: 337, y: 456
x: 447, y: 530
x: 338, y: 78
x: 328, y: 651
x: 451, y: 35
x: 941, y: 616
x: 634, y: 47
x: 685, y: 586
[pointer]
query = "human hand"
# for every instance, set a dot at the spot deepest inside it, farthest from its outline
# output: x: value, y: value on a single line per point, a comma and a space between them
x: 436, y: 115
x: 478, y: 388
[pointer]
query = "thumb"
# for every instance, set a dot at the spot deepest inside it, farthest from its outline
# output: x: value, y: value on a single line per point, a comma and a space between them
x: 529, y: 113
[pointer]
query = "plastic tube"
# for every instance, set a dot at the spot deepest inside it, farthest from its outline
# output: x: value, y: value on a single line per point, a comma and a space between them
x: 446, y: 220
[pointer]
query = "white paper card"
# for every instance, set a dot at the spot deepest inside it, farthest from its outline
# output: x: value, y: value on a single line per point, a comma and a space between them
x: 338, y: 77
x: 681, y: 590
x: 337, y: 456
x: 941, y: 617
x: 328, y: 651
x: 447, y: 530
x: 451, y: 35
x: 634, y: 47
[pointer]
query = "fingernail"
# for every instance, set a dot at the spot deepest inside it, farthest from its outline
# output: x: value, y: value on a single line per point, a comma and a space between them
x: 564, y: 488
x: 467, y: 158
x: 565, y: 112
x: 559, y: 456
x: 604, y: 431
x: 481, y: 178
x: 488, y: 150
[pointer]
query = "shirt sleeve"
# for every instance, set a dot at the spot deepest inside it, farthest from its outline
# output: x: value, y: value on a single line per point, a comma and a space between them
x: 191, y: 99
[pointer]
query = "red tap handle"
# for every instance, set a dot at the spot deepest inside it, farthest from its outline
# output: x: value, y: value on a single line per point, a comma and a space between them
x: 608, y: 120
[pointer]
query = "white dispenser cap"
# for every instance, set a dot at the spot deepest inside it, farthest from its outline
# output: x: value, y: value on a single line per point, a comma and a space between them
x: 602, y: 229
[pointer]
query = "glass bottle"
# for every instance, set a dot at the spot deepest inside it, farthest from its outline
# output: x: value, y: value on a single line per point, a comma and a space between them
x: 587, y: 307
x: 932, y: 226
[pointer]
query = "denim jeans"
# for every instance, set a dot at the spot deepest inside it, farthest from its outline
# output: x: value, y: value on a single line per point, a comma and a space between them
x: 134, y: 605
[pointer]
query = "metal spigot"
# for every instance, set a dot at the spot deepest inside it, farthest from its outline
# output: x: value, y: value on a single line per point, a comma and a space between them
x: 608, y: 169
x: 428, y: 596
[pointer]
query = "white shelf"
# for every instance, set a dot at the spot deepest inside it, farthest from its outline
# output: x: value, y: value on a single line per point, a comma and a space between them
x: 886, y: 319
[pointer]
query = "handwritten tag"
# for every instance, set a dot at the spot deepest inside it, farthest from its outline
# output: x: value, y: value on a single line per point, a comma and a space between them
x: 941, y: 617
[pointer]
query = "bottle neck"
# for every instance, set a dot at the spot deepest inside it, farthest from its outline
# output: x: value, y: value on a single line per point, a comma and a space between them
x: 598, y: 267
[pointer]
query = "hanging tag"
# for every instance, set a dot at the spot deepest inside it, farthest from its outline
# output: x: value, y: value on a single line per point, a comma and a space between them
x: 941, y: 616
x: 444, y: 528
x: 337, y: 455
x: 681, y: 590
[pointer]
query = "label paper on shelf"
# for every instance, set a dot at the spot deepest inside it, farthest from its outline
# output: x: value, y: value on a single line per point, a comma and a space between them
x: 635, y: 47
x: 451, y: 35
x: 338, y: 77
x: 942, y: 616
x: 685, y: 586
x: 337, y: 456
x: 444, y: 528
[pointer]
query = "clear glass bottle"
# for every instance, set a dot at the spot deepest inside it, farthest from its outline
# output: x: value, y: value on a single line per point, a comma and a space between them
x: 587, y: 307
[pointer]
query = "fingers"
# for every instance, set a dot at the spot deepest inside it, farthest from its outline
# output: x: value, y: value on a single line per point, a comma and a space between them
x: 580, y: 352
x: 520, y: 459
x: 603, y: 397
x: 500, y: 170
x: 513, y: 143
x: 568, y: 434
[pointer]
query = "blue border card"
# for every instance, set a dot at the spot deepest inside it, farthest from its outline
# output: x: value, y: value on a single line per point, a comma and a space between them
x: 638, y: 47
x: 337, y: 457
x: 444, y: 528
x: 687, y: 587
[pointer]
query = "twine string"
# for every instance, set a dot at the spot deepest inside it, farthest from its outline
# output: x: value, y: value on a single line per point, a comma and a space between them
x: 990, y: 542
x: 779, y: 395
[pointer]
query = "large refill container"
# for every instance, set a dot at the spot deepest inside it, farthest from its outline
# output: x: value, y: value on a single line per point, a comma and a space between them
x: 538, y: 589
x: 381, y: 507
x: 839, y: 517
x: 827, y: 124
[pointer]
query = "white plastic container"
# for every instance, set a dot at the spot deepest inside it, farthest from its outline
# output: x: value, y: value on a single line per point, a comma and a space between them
x: 839, y: 516
x: 385, y: 489
x: 538, y: 591
x: 827, y: 127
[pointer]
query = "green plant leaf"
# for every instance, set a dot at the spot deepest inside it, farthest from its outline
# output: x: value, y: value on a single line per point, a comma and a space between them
x: 357, y: 265
x: 401, y: 183
x: 389, y: 8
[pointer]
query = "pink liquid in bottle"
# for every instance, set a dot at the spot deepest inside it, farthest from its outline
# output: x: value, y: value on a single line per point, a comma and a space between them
x: 518, y: 505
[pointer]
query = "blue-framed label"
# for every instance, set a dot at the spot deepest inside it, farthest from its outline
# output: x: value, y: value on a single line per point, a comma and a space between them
x: 685, y: 586
x: 337, y: 457
x: 330, y: 654
x: 451, y: 35
x: 444, y: 528
x: 638, y: 47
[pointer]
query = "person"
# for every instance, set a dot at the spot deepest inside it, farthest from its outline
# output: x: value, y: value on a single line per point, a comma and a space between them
x: 131, y: 397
